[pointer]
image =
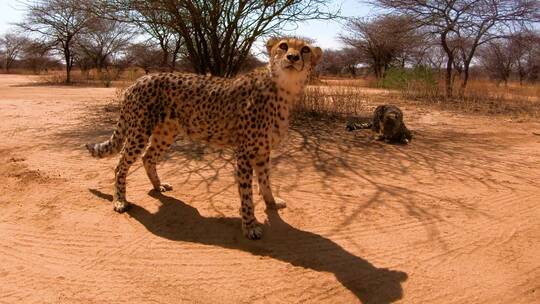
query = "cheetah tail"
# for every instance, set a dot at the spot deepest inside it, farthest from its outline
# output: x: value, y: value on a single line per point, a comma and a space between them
x: 109, y: 147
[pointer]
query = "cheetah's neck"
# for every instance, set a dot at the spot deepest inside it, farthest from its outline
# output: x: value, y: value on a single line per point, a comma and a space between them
x: 290, y: 86
x: 290, y: 89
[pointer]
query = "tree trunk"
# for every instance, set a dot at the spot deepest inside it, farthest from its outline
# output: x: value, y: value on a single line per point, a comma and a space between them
x: 175, y: 53
x: 465, y: 80
x: 8, y: 63
x: 67, y: 58
x: 165, y: 59
x: 466, y: 65
x: 448, y: 76
x: 68, y: 73
x: 449, y: 66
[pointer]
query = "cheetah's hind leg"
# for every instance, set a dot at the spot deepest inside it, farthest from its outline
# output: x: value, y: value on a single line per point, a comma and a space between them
x: 262, y: 169
x: 130, y: 153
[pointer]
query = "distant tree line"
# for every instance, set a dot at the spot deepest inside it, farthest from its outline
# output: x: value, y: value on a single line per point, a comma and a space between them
x: 213, y: 37
x: 454, y: 37
x: 449, y: 36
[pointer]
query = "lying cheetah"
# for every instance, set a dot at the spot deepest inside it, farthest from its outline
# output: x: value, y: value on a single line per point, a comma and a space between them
x: 249, y: 114
x: 388, y: 125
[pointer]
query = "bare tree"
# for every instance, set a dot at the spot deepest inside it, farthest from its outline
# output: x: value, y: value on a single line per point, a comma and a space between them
x: 526, y: 48
x: 464, y: 25
x: 337, y: 62
x: 498, y: 58
x: 434, y: 56
x: 35, y: 56
x: 59, y: 22
x: 157, y: 26
x: 383, y: 41
x: 251, y: 63
x: 218, y: 35
x: 12, y: 46
x: 102, y: 39
x: 145, y: 56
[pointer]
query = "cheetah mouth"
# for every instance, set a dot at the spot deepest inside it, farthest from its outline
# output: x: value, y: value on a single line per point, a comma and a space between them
x: 293, y: 67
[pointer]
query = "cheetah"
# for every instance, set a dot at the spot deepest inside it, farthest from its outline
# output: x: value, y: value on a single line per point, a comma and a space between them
x: 358, y: 123
x: 388, y: 125
x: 249, y: 114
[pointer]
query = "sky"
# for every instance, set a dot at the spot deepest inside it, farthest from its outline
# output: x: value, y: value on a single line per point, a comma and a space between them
x: 325, y: 33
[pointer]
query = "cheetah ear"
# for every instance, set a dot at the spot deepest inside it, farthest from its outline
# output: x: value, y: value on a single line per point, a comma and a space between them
x: 270, y: 44
x: 317, y: 56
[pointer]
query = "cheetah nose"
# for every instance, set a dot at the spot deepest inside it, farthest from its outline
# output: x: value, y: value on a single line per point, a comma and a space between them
x: 293, y: 58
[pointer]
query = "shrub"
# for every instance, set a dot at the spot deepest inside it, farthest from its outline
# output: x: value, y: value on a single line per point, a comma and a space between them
x: 406, y: 79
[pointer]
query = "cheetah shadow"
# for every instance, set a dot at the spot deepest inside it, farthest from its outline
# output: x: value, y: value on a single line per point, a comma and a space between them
x: 178, y: 221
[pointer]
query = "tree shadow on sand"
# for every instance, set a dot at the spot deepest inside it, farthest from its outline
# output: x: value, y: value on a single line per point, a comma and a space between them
x: 178, y: 221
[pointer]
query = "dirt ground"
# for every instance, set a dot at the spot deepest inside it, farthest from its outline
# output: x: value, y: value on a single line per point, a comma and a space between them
x: 452, y: 218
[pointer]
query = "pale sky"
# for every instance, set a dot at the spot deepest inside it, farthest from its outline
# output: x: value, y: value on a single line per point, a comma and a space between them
x: 324, y: 32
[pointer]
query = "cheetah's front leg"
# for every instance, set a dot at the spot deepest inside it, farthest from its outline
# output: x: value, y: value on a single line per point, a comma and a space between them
x: 130, y: 153
x: 244, y: 176
x: 161, y: 140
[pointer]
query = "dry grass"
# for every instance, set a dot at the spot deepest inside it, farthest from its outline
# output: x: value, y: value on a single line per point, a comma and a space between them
x: 365, y: 82
x: 334, y: 97
x: 332, y: 102
x: 482, y: 97
x: 512, y: 91
x: 109, y: 78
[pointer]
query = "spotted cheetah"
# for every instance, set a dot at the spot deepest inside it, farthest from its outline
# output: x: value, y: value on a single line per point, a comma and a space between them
x: 388, y: 125
x: 249, y: 114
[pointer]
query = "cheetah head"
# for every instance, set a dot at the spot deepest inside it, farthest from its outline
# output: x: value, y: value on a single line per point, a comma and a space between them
x: 292, y: 55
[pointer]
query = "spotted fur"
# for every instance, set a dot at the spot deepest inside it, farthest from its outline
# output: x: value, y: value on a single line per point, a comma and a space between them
x: 388, y: 125
x: 358, y: 124
x: 249, y: 114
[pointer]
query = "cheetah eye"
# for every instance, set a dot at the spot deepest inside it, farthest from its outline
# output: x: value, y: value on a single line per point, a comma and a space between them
x: 306, y: 50
x: 284, y: 46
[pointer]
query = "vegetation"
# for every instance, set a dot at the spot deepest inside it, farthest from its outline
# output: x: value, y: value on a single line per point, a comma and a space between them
x: 417, y: 50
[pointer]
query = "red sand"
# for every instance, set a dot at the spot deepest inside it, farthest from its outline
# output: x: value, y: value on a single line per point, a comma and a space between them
x: 452, y: 218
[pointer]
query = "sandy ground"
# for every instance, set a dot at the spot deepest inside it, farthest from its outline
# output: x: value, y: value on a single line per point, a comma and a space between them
x: 452, y: 218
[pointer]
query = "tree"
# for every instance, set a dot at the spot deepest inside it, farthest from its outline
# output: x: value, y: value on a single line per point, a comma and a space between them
x: 146, y: 56
x: 498, y: 58
x: 59, y: 22
x: 337, y: 62
x: 12, y: 46
x: 101, y: 40
x: 251, y: 63
x: 35, y: 56
x: 218, y: 35
x: 464, y: 25
x: 383, y: 41
x: 155, y: 24
x: 526, y: 47
x: 330, y: 64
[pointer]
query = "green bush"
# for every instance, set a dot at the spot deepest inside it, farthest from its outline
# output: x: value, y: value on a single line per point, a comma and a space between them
x: 405, y: 79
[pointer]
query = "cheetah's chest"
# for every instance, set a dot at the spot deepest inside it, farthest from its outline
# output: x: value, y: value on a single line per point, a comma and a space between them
x: 280, y: 127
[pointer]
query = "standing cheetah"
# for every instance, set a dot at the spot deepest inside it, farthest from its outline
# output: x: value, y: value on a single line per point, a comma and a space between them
x: 249, y: 114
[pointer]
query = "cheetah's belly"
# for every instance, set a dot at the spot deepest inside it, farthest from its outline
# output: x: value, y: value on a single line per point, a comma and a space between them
x: 214, y: 130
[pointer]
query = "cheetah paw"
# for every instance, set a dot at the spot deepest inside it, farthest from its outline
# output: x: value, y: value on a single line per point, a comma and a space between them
x: 164, y: 187
x: 120, y: 206
x: 253, y: 231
